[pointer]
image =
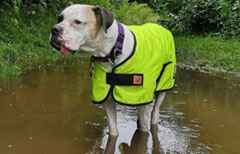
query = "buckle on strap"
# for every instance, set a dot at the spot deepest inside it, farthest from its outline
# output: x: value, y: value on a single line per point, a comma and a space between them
x: 111, y: 60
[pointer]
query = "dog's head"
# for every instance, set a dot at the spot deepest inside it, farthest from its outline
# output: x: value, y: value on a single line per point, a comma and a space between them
x: 78, y: 24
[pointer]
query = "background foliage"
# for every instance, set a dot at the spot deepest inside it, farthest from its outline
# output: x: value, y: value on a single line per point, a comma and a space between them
x: 25, y: 28
x: 218, y: 17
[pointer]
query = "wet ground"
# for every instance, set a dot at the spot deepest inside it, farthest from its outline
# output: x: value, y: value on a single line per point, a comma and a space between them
x: 49, y: 112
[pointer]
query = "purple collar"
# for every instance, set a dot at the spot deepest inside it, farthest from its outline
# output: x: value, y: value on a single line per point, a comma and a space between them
x: 117, y: 48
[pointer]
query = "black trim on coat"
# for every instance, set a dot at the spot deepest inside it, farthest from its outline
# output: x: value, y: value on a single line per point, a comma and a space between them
x: 133, y: 52
x: 162, y: 71
x: 111, y: 88
x: 108, y: 94
x: 126, y: 104
x: 164, y: 90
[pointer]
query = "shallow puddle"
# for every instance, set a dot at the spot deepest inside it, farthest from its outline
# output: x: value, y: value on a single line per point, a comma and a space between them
x: 49, y: 112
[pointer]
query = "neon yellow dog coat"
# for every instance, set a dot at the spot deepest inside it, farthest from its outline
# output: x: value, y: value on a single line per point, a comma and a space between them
x: 149, y: 69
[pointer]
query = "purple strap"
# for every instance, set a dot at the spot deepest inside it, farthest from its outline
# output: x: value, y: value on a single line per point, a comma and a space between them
x: 121, y: 35
x: 117, y: 48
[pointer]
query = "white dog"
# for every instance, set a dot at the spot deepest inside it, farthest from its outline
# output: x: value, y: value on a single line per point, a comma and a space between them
x: 94, y: 29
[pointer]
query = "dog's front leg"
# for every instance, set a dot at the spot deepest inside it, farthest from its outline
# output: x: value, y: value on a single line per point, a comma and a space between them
x: 110, y: 108
x: 144, y: 116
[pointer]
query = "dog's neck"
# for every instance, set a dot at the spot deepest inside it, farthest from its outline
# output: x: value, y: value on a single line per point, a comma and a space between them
x: 102, y: 45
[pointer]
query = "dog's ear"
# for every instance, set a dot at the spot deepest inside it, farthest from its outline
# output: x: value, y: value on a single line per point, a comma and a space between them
x: 104, y: 17
x: 69, y: 4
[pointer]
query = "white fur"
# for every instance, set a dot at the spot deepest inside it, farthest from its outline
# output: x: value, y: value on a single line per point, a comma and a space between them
x: 74, y: 35
x: 78, y: 37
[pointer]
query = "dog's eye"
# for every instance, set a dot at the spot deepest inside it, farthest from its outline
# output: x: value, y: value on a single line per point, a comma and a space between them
x: 60, y: 18
x: 77, y: 22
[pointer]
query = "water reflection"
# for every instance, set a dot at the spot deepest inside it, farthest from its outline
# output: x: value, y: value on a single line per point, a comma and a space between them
x: 139, y: 143
x: 50, y: 112
x: 167, y: 136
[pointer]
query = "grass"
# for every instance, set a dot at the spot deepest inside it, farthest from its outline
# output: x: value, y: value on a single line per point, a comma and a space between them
x: 209, y: 53
x: 24, y: 34
x: 24, y: 41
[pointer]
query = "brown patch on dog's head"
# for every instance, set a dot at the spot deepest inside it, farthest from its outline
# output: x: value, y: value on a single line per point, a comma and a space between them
x: 104, y: 17
x: 91, y: 23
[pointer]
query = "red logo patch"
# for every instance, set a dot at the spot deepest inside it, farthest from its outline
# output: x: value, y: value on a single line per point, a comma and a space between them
x: 137, y: 79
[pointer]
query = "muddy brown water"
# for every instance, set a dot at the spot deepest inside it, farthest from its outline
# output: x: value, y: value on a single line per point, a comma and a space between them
x: 49, y: 112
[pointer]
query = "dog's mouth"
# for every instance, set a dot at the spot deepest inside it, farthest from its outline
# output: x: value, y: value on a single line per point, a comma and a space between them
x: 64, y: 50
x: 55, y: 44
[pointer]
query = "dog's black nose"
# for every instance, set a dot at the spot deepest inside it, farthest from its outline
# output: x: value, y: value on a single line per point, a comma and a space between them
x: 56, y: 29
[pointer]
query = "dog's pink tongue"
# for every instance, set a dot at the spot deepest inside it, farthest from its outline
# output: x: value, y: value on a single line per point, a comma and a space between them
x: 65, y: 51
